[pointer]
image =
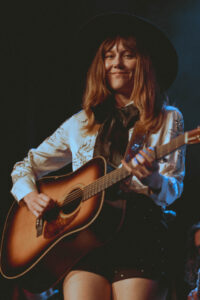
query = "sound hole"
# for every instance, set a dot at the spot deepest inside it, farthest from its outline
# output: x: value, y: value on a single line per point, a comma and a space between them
x: 72, y: 201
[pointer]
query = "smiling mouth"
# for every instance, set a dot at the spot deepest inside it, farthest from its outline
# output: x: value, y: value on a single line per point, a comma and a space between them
x: 118, y: 73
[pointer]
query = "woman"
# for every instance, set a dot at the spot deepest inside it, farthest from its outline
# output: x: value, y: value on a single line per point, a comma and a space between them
x: 124, y: 90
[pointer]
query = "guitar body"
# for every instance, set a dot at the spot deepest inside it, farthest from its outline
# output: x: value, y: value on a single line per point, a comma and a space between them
x: 39, y: 262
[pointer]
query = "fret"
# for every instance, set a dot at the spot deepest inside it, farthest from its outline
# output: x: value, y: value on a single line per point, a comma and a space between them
x: 104, y: 182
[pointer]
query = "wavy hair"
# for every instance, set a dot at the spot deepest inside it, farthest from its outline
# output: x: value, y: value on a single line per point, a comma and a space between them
x: 145, y: 93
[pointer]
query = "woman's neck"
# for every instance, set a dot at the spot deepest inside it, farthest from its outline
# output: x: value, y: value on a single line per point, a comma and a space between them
x: 122, y: 100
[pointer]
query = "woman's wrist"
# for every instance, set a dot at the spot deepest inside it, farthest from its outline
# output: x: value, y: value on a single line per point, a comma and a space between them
x: 154, y: 182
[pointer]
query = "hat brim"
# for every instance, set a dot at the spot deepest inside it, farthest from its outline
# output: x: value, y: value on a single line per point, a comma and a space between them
x: 156, y: 43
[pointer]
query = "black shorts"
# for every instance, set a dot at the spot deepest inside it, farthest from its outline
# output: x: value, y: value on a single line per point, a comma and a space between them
x: 141, y: 248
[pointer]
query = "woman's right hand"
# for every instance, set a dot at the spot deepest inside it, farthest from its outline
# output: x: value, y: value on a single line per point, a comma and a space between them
x: 36, y: 202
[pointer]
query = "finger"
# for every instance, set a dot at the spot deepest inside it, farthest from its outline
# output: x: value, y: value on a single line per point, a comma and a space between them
x: 145, y: 160
x: 44, y: 197
x: 126, y: 165
x: 150, y: 163
x: 139, y: 166
x: 141, y: 172
x: 140, y: 158
x: 35, y: 213
x: 147, y: 155
x: 134, y: 162
x: 138, y: 174
x: 38, y: 208
x: 145, y: 171
x: 33, y: 210
x: 42, y: 202
x: 129, y: 167
x: 137, y: 169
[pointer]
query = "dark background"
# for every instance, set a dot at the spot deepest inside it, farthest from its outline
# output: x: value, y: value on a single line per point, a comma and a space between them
x: 38, y: 91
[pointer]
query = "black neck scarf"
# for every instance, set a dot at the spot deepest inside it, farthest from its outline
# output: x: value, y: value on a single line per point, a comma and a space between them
x: 112, y: 138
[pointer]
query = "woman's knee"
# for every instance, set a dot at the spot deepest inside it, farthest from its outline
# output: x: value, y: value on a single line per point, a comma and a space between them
x: 79, y: 285
x: 138, y: 288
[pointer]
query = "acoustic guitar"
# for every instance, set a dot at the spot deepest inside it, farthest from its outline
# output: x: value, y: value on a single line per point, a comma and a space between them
x: 39, y: 252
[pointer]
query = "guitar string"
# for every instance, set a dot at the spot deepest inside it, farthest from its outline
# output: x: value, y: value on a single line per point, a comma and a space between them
x: 101, y: 183
x: 107, y: 179
x: 93, y: 187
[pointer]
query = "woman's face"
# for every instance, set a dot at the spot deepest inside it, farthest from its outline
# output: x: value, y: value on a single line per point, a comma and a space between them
x: 120, y: 62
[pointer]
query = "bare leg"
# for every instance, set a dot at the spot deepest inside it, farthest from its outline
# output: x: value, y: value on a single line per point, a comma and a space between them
x: 82, y: 285
x: 138, y: 289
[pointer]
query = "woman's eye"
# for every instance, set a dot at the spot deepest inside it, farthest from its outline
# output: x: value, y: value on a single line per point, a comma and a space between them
x: 109, y: 56
x: 129, y: 55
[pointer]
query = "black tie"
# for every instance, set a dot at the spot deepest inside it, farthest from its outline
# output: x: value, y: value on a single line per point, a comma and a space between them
x: 112, y: 138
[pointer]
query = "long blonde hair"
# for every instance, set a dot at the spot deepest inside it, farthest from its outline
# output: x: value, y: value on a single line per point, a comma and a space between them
x: 145, y: 93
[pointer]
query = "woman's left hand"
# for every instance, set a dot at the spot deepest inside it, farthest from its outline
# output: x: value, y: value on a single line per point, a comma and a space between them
x: 145, y: 168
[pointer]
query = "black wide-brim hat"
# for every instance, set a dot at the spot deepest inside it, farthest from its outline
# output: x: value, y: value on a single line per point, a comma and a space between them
x: 156, y: 43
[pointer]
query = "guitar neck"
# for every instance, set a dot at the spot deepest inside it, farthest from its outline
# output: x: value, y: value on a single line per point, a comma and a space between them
x: 119, y: 174
x: 174, y: 144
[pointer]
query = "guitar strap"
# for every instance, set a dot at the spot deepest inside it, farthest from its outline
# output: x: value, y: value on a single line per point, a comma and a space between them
x: 136, y: 142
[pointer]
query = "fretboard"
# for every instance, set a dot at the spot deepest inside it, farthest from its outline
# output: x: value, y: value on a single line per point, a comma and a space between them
x: 105, y: 182
x: 162, y: 150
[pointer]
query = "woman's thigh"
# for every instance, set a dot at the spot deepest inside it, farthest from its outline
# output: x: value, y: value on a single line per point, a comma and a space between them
x: 138, y: 289
x: 81, y: 285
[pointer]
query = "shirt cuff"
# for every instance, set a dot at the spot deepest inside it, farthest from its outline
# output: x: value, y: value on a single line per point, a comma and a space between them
x: 160, y: 197
x: 22, y: 187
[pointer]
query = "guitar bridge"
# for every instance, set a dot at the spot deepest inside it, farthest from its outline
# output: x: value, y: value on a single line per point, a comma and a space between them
x: 39, y: 226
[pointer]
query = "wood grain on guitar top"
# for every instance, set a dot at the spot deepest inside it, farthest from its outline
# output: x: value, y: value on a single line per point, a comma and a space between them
x: 21, y: 247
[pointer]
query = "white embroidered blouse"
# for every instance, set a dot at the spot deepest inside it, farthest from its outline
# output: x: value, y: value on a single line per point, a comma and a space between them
x: 69, y: 144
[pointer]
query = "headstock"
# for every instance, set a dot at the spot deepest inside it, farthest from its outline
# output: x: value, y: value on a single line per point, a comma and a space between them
x: 193, y: 136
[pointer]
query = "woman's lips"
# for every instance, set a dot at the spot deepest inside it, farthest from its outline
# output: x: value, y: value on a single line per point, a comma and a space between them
x: 118, y: 73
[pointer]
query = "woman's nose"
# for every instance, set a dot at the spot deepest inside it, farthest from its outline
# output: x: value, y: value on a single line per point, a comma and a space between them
x: 117, y: 62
